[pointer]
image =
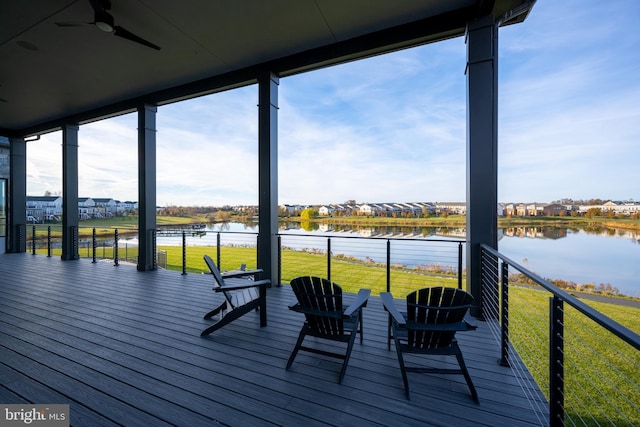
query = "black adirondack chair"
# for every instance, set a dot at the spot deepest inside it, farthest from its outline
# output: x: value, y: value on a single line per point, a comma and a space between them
x: 429, y: 325
x: 243, y: 293
x: 325, y: 316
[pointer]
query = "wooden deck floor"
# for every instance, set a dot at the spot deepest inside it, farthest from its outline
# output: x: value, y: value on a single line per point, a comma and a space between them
x: 123, y: 348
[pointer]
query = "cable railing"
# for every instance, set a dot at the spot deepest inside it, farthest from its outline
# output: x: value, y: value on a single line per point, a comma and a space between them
x: 88, y: 242
x: 398, y: 264
x: 381, y: 264
x: 585, y: 363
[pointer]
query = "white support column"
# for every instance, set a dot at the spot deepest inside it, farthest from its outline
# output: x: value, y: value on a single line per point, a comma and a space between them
x: 482, y: 147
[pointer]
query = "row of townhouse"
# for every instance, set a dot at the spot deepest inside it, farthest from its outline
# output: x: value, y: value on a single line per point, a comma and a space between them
x: 555, y: 209
x: 381, y: 209
x: 460, y: 208
x: 530, y: 209
x: 377, y: 209
x: 618, y: 207
x: 49, y: 208
x: 397, y: 209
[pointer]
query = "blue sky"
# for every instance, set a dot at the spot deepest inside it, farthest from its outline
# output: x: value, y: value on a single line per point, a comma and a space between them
x: 393, y: 127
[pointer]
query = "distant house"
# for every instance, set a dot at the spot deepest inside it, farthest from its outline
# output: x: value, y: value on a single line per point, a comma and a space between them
x: 291, y: 209
x: 554, y: 209
x: 520, y: 209
x: 44, y: 208
x: 390, y: 209
x: 336, y: 210
x: 420, y: 208
x: 610, y: 206
x: 122, y: 208
x: 534, y: 209
x: 129, y: 205
x: 86, y: 208
x: 629, y: 208
x: 620, y: 207
x: 105, y: 208
x: 49, y: 208
x: 346, y: 209
x: 368, y: 209
x: 428, y: 208
x: 510, y: 209
x: 326, y: 210
x: 457, y: 208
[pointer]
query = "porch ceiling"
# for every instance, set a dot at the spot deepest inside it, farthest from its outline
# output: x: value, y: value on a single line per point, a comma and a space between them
x: 51, y: 74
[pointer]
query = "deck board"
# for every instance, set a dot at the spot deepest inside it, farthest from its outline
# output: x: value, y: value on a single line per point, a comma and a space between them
x: 123, y: 347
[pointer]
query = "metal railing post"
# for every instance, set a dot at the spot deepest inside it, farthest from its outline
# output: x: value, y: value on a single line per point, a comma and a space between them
x: 388, y: 265
x: 556, y: 362
x: 218, y: 250
x: 21, y: 235
x: 460, y: 265
x: 154, y: 242
x: 184, y: 253
x: 115, y: 248
x: 329, y: 258
x: 504, y: 315
x: 33, y: 240
x: 74, y: 233
x: 279, y: 262
x: 49, y: 241
x: 94, y: 243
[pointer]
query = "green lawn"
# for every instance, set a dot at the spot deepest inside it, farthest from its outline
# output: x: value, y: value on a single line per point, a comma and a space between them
x: 349, y: 273
x: 600, y: 369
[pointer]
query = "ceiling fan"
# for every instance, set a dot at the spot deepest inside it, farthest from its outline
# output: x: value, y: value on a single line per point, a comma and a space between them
x: 104, y: 21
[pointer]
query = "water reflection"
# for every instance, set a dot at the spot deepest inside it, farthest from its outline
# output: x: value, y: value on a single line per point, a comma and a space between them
x: 535, y: 232
x: 562, y: 232
x: 373, y: 231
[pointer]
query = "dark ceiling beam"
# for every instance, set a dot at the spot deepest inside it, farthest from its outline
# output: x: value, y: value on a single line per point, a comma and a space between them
x: 441, y: 27
x: 428, y: 30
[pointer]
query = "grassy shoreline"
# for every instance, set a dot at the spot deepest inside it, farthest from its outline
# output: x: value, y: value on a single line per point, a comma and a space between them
x: 461, y: 221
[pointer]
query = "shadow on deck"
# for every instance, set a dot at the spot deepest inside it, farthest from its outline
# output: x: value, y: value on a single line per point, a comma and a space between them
x: 123, y: 347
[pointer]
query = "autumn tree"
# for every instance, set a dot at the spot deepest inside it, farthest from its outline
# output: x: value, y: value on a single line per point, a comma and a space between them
x: 593, y: 212
x: 222, y: 216
x: 308, y: 214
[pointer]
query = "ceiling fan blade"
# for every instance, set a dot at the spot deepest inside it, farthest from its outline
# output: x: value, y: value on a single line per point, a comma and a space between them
x: 121, y: 32
x: 104, y: 21
x: 74, y: 24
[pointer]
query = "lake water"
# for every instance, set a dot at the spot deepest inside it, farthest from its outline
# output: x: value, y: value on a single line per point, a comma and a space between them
x: 598, y: 257
x: 580, y: 256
